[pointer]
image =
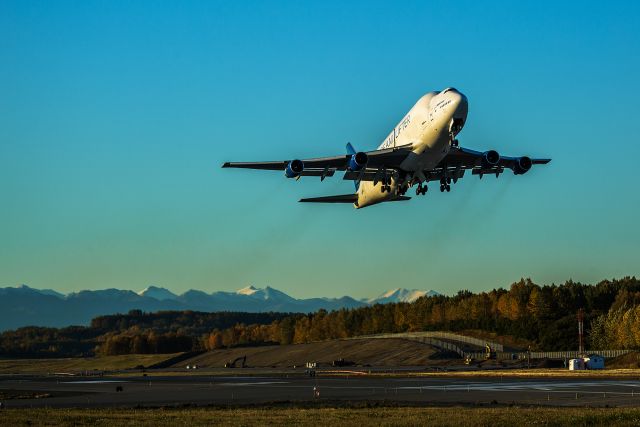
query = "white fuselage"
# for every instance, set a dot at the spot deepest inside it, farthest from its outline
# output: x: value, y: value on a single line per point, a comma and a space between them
x: 427, y: 127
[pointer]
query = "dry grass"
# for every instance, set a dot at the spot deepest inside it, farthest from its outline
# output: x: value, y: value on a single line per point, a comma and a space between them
x: 74, y: 365
x: 508, y: 341
x: 626, y: 361
x: 324, y: 416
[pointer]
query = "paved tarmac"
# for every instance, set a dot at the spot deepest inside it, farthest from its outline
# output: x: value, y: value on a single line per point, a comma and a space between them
x: 238, y: 390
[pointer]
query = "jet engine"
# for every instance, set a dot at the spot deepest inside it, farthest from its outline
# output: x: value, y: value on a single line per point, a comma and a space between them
x: 358, y: 161
x: 522, y: 165
x: 490, y: 158
x: 294, y: 168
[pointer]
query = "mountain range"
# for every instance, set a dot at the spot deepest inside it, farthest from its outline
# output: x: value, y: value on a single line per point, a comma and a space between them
x: 25, y: 306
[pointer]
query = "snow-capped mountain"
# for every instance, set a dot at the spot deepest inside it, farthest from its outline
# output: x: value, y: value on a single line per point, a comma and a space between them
x: 266, y: 294
x: 401, y: 295
x: 249, y: 290
x: 25, y: 306
x: 160, y: 294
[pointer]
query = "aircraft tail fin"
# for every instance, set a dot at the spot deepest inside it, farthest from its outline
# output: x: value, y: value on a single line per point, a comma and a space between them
x: 351, y: 151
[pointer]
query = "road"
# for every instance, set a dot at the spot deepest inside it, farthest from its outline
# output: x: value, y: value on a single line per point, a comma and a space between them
x: 207, y: 390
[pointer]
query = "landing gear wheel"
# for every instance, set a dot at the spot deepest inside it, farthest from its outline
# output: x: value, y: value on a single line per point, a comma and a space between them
x: 441, y: 188
x: 418, y: 190
x: 448, y: 181
x: 425, y: 188
x: 448, y: 188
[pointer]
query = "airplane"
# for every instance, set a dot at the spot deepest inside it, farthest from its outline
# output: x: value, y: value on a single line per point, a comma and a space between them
x: 422, y: 148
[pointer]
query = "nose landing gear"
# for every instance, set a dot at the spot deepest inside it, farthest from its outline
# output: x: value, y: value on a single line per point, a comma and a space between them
x: 454, y: 128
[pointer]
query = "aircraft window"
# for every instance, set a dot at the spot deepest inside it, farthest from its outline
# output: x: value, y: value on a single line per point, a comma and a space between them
x: 448, y: 89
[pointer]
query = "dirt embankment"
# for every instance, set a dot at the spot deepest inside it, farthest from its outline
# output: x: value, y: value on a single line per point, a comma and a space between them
x: 373, y: 352
x: 626, y: 361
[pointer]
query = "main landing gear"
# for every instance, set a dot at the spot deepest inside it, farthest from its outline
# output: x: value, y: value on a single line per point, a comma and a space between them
x: 421, y: 189
x: 386, y: 183
x: 445, y: 184
x: 385, y: 188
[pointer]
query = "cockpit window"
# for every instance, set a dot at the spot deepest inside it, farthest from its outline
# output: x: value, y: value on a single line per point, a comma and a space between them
x: 449, y: 89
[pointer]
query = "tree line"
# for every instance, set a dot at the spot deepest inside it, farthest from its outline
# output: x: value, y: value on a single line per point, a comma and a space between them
x: 543, y: 315
x: 134, y: 332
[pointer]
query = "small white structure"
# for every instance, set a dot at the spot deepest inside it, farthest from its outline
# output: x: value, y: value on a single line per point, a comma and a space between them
x: 594, y: 361
x: 576, y: 364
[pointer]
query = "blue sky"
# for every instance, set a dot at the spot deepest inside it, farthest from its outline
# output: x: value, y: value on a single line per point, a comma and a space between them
x: 116, y: 116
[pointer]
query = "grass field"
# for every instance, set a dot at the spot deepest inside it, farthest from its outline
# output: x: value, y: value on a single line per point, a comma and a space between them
x: 450, y: 416
x: 73, y: 365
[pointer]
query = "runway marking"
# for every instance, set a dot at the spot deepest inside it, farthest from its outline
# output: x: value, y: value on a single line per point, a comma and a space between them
x: 94, y: 382
x: 254, y: 383
x: 513, y: 386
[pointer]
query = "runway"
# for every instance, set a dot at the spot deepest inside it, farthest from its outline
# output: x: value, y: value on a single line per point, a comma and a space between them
x: 238, y: 390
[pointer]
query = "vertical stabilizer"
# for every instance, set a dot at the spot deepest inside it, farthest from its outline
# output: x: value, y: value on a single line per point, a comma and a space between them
x: 351, y: 151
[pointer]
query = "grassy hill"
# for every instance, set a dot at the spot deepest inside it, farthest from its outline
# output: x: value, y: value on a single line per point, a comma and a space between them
x: 374, y: 352
x: 75, y: 365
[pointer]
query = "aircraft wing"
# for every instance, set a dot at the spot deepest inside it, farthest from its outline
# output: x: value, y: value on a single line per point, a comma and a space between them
x: 481, y: 163
x: 326, y: 166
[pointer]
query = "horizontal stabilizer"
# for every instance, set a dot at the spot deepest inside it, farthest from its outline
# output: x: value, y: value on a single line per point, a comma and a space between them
x: 343, y: 198
x: 346, y: 198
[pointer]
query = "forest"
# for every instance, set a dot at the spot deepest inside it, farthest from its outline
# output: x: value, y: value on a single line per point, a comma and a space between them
x: 543, y: 315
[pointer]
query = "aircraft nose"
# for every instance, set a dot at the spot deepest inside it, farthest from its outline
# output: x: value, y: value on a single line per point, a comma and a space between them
x: 459, y: 103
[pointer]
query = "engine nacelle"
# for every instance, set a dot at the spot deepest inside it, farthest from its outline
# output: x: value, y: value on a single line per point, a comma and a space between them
x: 522, y: 165
x: 358, y: 161
x: 294, y: 168
x: 490, y: 158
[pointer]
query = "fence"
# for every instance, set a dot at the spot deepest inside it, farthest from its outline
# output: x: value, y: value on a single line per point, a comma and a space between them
x: 435, y: 338
x: 439, y: 336
x: 520, y: 355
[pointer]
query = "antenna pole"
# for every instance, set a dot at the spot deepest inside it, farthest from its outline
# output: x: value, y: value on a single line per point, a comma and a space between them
x: 581, y: 331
